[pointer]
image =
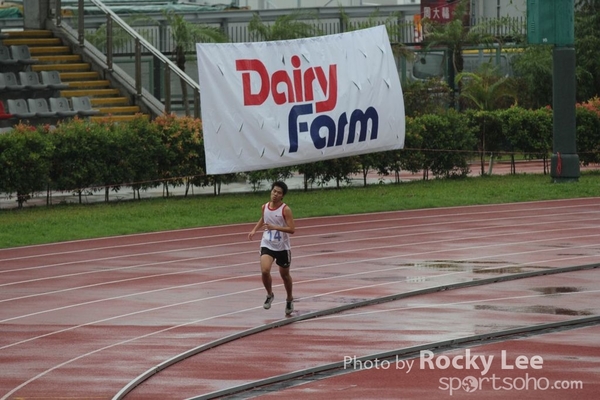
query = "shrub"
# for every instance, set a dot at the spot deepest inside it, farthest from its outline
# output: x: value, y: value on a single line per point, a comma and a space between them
x: 24, y: 161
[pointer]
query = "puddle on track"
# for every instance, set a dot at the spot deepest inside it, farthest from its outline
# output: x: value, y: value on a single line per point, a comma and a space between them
x: 535, y: 310
x: 483, y: 267
x: 549, y: 290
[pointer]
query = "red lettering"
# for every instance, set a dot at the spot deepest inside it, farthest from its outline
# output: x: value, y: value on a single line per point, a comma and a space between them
x: 251, y: 99
x: 288, y: 88
x: 298, y: 78
x: 279, y: 97
x: 329, y: 104
x: 309, y: 77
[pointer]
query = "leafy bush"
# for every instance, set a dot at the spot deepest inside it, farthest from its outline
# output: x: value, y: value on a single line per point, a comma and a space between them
x: 528, y: 131
x: 184, y: 150
x: 81, y: 156
x: 588, y: 132
x: 449, y: 140
x: 24, y: 161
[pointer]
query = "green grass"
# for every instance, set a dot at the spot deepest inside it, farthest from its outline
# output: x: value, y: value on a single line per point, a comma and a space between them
x: 35, y: 225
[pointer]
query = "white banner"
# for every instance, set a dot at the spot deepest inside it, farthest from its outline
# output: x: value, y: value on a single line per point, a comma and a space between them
x: 273, y: 104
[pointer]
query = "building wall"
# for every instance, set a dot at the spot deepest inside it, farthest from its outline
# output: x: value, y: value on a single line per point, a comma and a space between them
x: 278, y: 4
x: 498, y: 8
x: 480, y: 8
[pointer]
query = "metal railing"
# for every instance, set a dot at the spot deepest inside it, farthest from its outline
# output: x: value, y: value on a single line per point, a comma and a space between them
x: 157, y: 42
x: 141, y: 45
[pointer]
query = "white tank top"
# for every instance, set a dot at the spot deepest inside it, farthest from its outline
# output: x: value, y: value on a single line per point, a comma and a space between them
x: 275, y: 240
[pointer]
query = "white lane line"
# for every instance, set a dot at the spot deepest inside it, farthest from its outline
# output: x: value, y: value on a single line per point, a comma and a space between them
x: 320, y: 243
x: 252, y: 275
x: 43, y: 373
x: 429, y: 216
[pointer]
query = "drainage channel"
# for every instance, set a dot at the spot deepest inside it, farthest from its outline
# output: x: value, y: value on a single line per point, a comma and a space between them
x: 280, y: 382
x: 335, y: 310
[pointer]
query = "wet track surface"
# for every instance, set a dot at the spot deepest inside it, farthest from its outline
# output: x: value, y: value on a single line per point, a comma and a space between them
x: 84, y: 319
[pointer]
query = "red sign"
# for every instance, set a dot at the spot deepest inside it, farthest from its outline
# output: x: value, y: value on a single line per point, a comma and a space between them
x: 418, y: 28
x: 438, y: 10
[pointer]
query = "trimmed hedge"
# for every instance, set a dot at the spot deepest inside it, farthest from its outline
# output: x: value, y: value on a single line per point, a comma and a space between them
x: 79, y: 156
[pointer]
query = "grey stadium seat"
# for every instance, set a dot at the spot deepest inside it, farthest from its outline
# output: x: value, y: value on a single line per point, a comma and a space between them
x: 5, y: 57
x: 40, y: 108
x: 52, y: 80
x: 21, y: 54
x: 19, y: 108
x: 83, y: 106
x: 61, y: 107
x: 12, y: 83
x: 31, y: 80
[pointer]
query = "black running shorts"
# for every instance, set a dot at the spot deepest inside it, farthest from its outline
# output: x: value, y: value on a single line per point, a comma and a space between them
x: 283, y: 258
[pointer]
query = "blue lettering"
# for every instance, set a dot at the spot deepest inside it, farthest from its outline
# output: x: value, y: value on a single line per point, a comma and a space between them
x: 322, y: 121
x: 358, y: 117
x: 295, y: 113
x: 334, y: 133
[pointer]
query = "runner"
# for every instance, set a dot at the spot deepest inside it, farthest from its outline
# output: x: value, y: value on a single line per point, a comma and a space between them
x: 277, y: 224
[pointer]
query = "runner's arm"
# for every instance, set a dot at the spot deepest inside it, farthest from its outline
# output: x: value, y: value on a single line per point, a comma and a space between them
x: 259, y: 224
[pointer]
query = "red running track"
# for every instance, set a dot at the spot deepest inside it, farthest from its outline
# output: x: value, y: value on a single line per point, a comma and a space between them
x: 82, y: 319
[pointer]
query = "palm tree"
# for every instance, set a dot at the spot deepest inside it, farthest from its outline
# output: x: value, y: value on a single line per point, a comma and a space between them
x: 99, y: 38
x: 289, y: 26
x: 185, y: 35
x: 395, y: 30
x: 486, y: 90
x: 587, y: 42
x: 455, y: 35
x: 533, y: 70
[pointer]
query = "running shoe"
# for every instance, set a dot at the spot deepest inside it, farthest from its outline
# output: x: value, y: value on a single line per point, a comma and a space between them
x: 268, y: 301
x: 289, y: 307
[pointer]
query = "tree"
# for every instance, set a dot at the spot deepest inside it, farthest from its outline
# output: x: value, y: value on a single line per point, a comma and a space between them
x: 184, y: 157
x: 533, y: 72
x: 448, y: 139
x: 120, y: 38
x: 533, y: 67
x: 486, y: 90
x: 528, y: 131
x: 431, y: 96
x: 24, y: 161
x: 289, y: 26
x: 587, y: 43
x: 76, y: 163
x: 145, y: 149
x: 185, y: 36
x: 270, y: 175
x: 340, y: 169
x: 455, y: 35
x: 588, y: 132
x: 394, y: 28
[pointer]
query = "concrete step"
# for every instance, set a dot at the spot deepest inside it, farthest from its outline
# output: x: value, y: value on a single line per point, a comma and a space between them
x: 29, y: 33
x: 90, y: 92
x: 31, y: 42
x: 52, y: 55
x: 59, y: 58
x: 48, y: 50
x: 72, y: 77
x: 89, y: 84
x: 119, y: 110
x: 116, y: 118
x: 98, y: 102
x: 61, y: 67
